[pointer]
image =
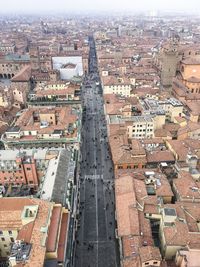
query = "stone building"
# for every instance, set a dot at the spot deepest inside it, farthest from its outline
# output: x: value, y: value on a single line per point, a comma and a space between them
x: 166, y: 62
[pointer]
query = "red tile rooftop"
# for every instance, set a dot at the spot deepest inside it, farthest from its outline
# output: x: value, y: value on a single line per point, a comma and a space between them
x: 25, y: 232
x: 62, y: 239
x: 160, y: 156
x: 53, y: 229
x: 23, y: 75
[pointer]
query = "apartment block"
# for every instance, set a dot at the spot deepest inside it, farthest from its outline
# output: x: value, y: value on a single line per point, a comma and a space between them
x: 32, y: 231
x: 55, y: 92
x: 44, y: 127
x: 116, y: 85
x: 126, y: 154
x: 18, y: 168
x: 140, y: 127
x: 133, y: 229
x: 163, y: 110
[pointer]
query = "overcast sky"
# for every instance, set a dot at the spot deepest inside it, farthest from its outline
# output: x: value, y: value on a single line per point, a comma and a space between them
x: 98, y: 5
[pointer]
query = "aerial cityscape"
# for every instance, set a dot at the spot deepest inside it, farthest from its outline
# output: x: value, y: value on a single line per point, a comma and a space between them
x: 100, y: 133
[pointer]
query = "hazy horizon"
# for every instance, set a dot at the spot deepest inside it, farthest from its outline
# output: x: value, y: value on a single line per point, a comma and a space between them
x: 64, y: 6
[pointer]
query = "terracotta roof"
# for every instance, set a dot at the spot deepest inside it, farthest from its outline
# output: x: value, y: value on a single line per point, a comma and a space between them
x: 163, y: 189
x: 160, y: 156
x: 131, y: 262
x: 190, y: 127
x: 62, y: 239
x: 183, y: 147
x: 64, y: 118
x: 149, y: 253
x: 162, y: 133
x: 123, y: 152
x: 186, y: 231
x: 126, y: 207
x: 25, y: 232
x: 53, y: 229
x: 191, y: 61
x: 116, y: 129
x: 10, y: 219
x: 144, y: 91
x: 194, y: 107
x: 183, y: 186
x: 112, y: 80
x: 179, y: 119
x: 23, y: 75
x: 52, y: 92
x: 193, y: 79
x: 171, y: 127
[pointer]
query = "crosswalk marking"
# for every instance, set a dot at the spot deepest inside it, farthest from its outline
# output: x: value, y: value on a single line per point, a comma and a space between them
x: 94, y: 177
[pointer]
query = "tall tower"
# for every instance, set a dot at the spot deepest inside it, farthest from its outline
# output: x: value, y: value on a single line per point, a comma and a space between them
x: 34, y: 57
x: 169, y: 59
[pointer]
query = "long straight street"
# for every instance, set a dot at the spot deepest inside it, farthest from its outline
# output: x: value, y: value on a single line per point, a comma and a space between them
x: 95, y: 239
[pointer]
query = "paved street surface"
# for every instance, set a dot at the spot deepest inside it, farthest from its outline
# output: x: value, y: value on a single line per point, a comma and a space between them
x: 95, y: 239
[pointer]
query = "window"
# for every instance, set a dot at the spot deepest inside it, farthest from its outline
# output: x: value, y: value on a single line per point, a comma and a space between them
x: 146, y: 263
x: 155, y: 262
x: 5, y: 246
x: 128, y: 167
x: 120, y: 167
x: 28, y: 169
x: 10, y: 232
x: 12, y: 239
x: 2, y: 239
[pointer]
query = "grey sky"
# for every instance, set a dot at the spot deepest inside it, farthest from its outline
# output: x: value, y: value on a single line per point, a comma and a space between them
x: 98, y: 5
